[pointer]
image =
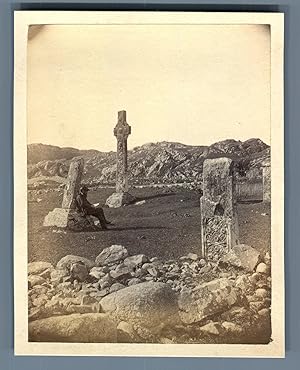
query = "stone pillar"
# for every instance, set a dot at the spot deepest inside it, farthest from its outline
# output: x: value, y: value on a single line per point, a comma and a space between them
x: 219, y: 224
x: 121, y: 132
x: 60, y: 217
x: 73, y: 183
x: 266, y: 170
x: 121, y: 196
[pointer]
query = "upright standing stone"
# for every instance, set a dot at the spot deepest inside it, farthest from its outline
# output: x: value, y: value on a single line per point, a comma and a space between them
x: 121, y: 132
x: 73, y: 183
x: 266, y: 169
x: 219, y: 224
x: 60, y: 217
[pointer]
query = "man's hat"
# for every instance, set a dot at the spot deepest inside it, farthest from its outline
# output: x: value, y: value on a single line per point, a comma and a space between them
x: 84, y: 188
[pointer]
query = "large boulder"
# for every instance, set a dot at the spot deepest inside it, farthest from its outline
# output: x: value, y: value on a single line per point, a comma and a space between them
x: 111, y: 255
x: 117, y: 200
x: 206, y: 300
x: 146, y: 306
x: 242, y: 256
x: 66, y: 262
x: 83, y: 328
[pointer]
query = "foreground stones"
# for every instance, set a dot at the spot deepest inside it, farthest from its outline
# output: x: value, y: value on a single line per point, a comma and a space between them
x: 242, y: 256
x: 147, y: 306
x: 148, y: 300
x: 207, y: 300
x: 86, y: 328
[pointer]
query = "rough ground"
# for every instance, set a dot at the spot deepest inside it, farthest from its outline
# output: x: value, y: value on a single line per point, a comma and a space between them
x: 167, y: 226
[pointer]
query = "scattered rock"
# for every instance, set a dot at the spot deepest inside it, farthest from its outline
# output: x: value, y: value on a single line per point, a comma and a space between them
x: 35, y: 280
x: 141, y: 202
x: 134, y: 281
x: 211, y: 328
x: 77, y: 328
x: 97, y: 272
x: 111, y: 255
x: 79, y: 271
x: 115, y: 287
x: 37, y: 268
x: 207, y: 299
x: 121, y: 272
x: 262, y: 268
x: 58, y: 275
x: 242, y: 256
x: 261, y: 293
x: 67, y: 261
x: 134, y: 261
x: 242, y: 282
x: 232, y: 327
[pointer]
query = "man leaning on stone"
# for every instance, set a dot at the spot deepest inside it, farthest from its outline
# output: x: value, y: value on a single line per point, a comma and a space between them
x: 86, y: 208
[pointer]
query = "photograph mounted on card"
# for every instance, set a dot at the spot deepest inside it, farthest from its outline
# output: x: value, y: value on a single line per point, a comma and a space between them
x: 148, y: 157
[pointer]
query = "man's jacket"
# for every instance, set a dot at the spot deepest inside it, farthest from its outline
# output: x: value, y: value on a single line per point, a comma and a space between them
x: 83, y: 205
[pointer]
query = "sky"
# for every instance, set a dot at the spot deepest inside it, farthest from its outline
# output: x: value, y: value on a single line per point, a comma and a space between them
x: 194, y: 84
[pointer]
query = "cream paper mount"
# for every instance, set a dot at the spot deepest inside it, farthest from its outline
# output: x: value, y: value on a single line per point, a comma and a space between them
x: 190, y: 78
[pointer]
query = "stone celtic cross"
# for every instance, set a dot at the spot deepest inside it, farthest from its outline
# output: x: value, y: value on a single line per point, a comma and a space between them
x: 121, y: 132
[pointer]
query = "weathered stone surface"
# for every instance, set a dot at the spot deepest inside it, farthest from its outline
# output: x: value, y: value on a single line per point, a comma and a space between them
x: 207, y: 299
x: 73, y: 183
x: 267, y: 181
x: 80, y: 328
x: 117, y: 200
x: 146, y: 305
x: 79, y: 271
x: 134, y: 281
x: 219, y: 224
x: 67, y: 261
x: 121, y: 132
x: 37, y: 268
x: 121, y: 197
x: 262, y: 268
x: 111, y: 255
x: 211, y: 328
x: 134, y: 261
x: 261, y: 293
x: 127, y: 329
x: 58, y: 275
x: 122, y: 272
x: 63, y: 217
x: 97, y: 272
x: 242, y: 256
x: 35, y: 280
x: 59, y: 217
x: 115, y: 287
x: 231, y: 327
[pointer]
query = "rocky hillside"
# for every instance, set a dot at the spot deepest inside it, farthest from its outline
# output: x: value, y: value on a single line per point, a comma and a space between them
x: 163, y: 162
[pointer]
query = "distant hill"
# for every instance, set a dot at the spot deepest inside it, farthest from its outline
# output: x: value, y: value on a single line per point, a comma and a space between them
x: 163, y: 162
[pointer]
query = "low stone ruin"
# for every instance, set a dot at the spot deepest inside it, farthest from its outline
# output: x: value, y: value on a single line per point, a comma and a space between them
x: 122, y: 298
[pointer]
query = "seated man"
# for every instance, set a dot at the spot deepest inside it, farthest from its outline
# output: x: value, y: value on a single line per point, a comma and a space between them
x: 86, y: 208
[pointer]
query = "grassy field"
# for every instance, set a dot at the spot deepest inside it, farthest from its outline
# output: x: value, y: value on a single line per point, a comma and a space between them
x: 167, y: 225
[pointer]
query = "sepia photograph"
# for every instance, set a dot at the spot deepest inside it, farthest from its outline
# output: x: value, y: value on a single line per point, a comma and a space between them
x: 149, y: 184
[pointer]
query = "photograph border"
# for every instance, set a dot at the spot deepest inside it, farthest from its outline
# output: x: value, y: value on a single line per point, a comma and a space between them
x: 23, y: 19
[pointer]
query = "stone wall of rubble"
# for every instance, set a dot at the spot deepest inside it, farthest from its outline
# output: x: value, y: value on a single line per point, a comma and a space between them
x: 122, y: 298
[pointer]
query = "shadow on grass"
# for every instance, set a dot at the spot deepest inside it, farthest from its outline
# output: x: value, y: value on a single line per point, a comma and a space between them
x: 138, y: 199
x: 130, y: 228
x: 250, y: 201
